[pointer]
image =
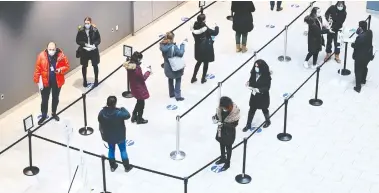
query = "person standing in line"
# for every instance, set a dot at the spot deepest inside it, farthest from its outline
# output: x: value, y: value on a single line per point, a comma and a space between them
x: 316, y: 28
x: 88, y: 39
x: 113, y: 131
x: 51, y: 65
x: 362, y: 55
x: 260, y: 84
x: 227, y: 117
x: 204, y: 51
x: 336, y: 15
x: 138, y: 86
x: 278, y: 5
x: 242, y: 22
x: 166, y: 47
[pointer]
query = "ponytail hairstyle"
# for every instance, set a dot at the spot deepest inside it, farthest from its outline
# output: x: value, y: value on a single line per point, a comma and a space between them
x: 168, y: 38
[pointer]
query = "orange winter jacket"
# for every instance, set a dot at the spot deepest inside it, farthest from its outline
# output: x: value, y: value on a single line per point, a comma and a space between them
x: 43, y: 68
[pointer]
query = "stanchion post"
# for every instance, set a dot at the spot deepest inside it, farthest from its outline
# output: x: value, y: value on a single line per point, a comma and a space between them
x: 185, y: 185
x: 369, y: 22
x: 103, y: 170
x: 285, y: 58
x: 127, y: 94
x: 219, y: 93
x: 30, y: 170
x: 243, y: 178
x: 344, y: 71
x: 128, y: 51
x: 177, y: 154
x: 285, y: 136
x: 316, y: 101
x: 85, y: 130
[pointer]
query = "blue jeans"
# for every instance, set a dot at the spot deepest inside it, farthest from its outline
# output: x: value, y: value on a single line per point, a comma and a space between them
x: 174, y: 91
x: 121, y: 147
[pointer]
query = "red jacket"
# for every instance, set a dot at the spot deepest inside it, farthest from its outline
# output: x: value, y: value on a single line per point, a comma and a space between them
x: 137, y: 81
x: 43, y: 68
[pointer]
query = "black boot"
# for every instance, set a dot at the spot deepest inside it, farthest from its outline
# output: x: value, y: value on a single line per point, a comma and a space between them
x: 127, y: 166
x: 113, y: 165
x: 268, y: 122
x: 203, y: 79
x: 140, y: 120
x: 55, y: 116
x: 134, y: 117
x: 222, y: 160
x: 226, y: 166
x: 96, y: 72
x: 43, y: 118
x: 84, y: 74
x: 246, y: 128
x: 250, y: 117
x: 194, y: 79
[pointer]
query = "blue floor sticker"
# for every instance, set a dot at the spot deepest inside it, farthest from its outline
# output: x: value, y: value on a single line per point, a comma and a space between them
x: 210, y: 76
x: 295, y: 5
x: 258, y: 131
x: 184, y: 18
x: 40, y: 116
x: 172, y: 107
x: 352, y: 30
x: 216, y: 168
x: 270, y: 26
x: 286, y: 95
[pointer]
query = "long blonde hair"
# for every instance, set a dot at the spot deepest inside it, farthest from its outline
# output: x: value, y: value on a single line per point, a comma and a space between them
x: 168, y: 38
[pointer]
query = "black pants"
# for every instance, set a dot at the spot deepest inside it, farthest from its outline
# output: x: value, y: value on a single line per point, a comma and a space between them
x: 45, y: 93
x: 138, y: 109
x: 197, y: 66
x: 332, y: 37
x: 278, y: 4
x: 251, y: 114
x: 315, y: 57
x: 94, y: 56
x: 228, y: 150
x: 360, y: 70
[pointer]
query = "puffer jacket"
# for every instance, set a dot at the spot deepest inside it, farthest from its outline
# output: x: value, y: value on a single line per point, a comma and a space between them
x: 42, y: 68
x: 137, y: 80
x: 338, y: 17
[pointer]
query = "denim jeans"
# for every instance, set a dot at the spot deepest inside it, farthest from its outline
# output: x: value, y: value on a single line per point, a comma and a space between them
x: 238, y: 38
x: 174, y: 91
x: 121, y: 147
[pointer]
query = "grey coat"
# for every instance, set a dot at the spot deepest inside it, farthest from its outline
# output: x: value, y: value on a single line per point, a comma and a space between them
x: 166, y: 53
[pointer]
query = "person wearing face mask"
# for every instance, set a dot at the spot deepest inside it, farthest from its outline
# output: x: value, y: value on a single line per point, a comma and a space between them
x: 242, y: 22
x: 336, y: 15
x: 137, y: 85
x: 363, y: 53
x: 227, y: 118
x: 259, y: 84
x: 51, y: 66
x: 204, y: 52
x: 316, y: 27
x: 88, y: 39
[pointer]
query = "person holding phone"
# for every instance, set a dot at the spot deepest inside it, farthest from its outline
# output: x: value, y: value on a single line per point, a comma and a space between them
x: 51, y: 65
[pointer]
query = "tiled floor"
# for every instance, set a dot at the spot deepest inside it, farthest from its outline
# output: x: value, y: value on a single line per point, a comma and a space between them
x: 333, y: 150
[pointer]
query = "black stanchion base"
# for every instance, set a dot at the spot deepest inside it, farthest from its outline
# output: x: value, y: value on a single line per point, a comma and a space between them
x: 31, y: 171
x: 315, y: 102
x: 229, y: 17
x: 106, y: 192
x: 86, y: 131
x: 243, y: 178
x: 284, y: 136
x: 344, y: 72
x: 127, y: 94
x: 281, y: 59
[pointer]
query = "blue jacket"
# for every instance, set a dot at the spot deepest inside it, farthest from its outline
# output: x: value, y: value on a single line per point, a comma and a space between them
x: 167, y: 53
x: 112, y: 125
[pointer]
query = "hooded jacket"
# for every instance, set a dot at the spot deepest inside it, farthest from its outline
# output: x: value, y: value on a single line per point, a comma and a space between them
x: 338, y: 17
x: 137, y: 80
x: 112, y: 125
x: 204, y: 51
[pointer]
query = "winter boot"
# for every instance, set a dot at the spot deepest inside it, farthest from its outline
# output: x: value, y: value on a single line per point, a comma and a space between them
x: 193, y: 79
x: 226, y: 166
x: 41, y: 120
x: 268, y: 122
x: 140, y: 120
x: 246, y: 128
x: 244, y: 48
x: 238, y: 47
x: 127, y: 166
x: 337, y: 58
x: 327, y: 57
x: 222, y: 160
x: 134, y: 117
x: 203, y: 79
x: 55, y: 116
x: 113, y: 164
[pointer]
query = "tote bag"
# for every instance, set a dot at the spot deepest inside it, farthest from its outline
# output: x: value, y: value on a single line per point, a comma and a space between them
x: 176, y: 63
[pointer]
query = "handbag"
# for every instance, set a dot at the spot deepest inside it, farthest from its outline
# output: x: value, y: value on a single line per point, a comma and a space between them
x: 176, y: 63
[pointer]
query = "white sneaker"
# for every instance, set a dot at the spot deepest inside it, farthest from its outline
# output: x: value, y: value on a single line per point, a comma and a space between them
x: 315, y: 66
x: 306, y: 65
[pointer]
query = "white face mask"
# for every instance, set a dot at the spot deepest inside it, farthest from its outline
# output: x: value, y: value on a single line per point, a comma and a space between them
x: 318, y: 13
x: 87, y: 25
x: 51, y: 52
x: 340, y: 8
x: 256, y: 69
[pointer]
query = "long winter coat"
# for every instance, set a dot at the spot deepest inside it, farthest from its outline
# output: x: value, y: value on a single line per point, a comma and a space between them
x: 260, y: 100
x: 242, y: 18
x: 363, y: 49
x: 137, y: 81
x: 112, y: 125
x: 226, y: 133
x: 315, y: 31
x: 337, y: 16
x: 204, y: 51
x: 94, y: 39
x: 167, y: 53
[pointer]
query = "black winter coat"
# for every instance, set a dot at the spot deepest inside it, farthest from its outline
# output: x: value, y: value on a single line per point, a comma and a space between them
x: 260, y: 100
x: 242, y: 18
x: 363, y: 49
x: 112, y: 125
x: 337, y: 16
x: 204, y: 51
x: 94, y: 39
x: 315, y: 38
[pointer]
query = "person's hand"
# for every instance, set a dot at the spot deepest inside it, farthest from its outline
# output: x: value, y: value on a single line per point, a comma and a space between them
x: 256, y: 90
x: 247, y: 84
x: 306, y: 33
x: 149, y: 70
x: 86, y: 45
x: 219, y: 124
x: 58, y: 70
x: 185, y: 40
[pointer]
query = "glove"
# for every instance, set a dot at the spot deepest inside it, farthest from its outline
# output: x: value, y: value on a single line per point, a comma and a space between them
x: 256, y: 90
x: 219, y: 124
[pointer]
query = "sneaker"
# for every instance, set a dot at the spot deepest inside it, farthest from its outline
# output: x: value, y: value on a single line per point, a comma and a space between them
x: 267, y: 124
x: 113, y: 168
x: 306, y: 65
x: 314, y: 66
x: 142, y: 121
x: 180, y: 99
x: 41, y: 120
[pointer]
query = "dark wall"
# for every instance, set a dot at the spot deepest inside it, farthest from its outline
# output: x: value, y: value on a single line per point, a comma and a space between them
x: 26, y: 28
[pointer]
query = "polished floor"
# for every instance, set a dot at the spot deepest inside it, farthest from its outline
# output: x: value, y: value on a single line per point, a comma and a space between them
x: 334, y: 147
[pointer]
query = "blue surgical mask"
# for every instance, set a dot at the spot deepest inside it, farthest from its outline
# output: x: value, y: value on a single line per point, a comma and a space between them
x: 340, y: 8
x: 87, y: 26
x: 256, y: 69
